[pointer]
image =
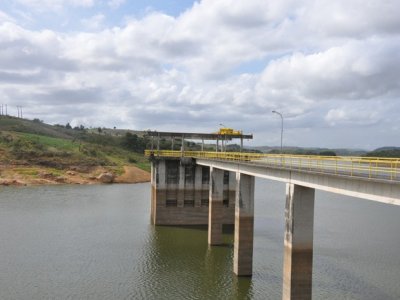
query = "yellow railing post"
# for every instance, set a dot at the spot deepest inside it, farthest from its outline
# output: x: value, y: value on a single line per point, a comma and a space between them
x: 336, y: 167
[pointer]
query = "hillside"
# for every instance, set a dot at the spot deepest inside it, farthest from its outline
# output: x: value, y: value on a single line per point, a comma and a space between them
x: 32, y: 151
x: 385, y: 152
x: 312, y: 150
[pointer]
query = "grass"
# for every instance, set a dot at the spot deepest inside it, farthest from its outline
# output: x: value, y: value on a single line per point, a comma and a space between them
x: 28, y: 143
x: 144, y: 166
x: 56, y: 143
x: 27, y: 171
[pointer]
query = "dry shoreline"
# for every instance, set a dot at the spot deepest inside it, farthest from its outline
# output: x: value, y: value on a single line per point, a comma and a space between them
x: 16, y: 175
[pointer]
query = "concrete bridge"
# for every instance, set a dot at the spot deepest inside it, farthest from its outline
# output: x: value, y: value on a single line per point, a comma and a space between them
x: 216, y: 188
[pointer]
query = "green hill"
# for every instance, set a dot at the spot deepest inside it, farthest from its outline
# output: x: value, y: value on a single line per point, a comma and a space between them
x: 385, y: 152
x: 25, y: 142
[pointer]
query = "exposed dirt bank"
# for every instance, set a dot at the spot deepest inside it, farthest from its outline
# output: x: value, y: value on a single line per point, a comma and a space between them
x: 36, y: 175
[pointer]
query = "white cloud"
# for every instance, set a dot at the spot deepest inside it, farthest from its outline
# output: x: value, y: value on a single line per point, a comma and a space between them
x: 324, y: 69
x: 5, y: 17
x: 94, y: 23
x: 355, y: 70
x: 355, y: 18
x: 355, y: 115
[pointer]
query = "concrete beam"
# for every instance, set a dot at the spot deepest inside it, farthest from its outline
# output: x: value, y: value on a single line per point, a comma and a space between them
x: 244, y: 225
x: 298, y: 249
x: 370, y: 189
x: 181, y: 186
x: 215, y: 206
x: 198, y: 185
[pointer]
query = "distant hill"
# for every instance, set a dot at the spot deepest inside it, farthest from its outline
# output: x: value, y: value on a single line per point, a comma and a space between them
x: 8, y: 123
x: 311, y: 150
x: 387, y: 148
x: 385, y: 152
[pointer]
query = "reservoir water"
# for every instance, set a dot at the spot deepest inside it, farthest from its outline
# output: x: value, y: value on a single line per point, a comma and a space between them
x: 96, y: 242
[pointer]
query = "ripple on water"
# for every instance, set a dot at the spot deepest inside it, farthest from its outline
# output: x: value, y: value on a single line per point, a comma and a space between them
x: 95, y: 242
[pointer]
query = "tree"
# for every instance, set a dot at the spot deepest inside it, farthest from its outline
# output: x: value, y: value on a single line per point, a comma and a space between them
x: 327, y: 153
x: 68, y: 126
x: 133, y: 142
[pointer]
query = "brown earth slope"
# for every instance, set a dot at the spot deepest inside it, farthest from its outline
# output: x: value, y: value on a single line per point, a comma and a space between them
x: 36, y: 175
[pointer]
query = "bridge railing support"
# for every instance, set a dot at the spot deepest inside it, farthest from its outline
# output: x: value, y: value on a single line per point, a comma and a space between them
x: 244, y: 225
x: 298, y: 251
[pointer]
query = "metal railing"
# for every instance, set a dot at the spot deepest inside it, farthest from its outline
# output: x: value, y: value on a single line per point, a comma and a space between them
x: 365, y: 167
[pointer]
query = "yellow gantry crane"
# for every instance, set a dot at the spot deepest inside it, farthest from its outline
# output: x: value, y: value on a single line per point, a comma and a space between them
x: 229, y: 131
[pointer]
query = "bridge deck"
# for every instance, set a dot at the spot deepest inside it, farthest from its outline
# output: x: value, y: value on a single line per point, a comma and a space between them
x: 382, y: 169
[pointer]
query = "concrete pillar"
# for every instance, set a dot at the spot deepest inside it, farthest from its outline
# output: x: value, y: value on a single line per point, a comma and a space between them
x: 298, y: 252
x: 198, y: 186
x: 161, y: 175
x: 244, y: 225
x: 158, y: 188
x: 232, y: 188
x: 181, y: 187
x: 153, y: 193
x: 215, y: 209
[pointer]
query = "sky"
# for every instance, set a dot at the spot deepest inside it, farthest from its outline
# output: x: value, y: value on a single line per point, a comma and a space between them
x: 332, y: 68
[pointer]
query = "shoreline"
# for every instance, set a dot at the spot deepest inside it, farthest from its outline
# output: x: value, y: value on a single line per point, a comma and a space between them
x: 29, y: 175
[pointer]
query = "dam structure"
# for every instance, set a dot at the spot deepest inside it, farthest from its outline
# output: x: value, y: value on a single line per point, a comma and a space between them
x: 180, y: 187
x: 217, y: 187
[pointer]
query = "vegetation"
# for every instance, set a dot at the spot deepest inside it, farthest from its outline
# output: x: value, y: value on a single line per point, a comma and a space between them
x: 385, y: 152
x: 25, y: 142
x: 304, y: 151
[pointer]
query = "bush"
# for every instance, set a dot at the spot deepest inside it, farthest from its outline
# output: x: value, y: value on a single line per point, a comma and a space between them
x: 132, y: 160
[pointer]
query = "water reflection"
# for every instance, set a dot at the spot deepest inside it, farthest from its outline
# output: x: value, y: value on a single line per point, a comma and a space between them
x: 180, y: 262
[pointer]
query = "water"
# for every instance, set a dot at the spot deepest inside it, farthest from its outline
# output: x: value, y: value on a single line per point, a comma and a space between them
x: 96, y: 242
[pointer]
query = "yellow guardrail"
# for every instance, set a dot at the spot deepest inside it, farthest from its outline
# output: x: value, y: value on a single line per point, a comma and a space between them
x: 366, y: 167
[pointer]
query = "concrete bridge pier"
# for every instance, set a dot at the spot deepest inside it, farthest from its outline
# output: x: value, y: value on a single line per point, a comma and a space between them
x: 216, y: 194
x: 298, y: 249
x: 158, y: 189
x: 244, y: 225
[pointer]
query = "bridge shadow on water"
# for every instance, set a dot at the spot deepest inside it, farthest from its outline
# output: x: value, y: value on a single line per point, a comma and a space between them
x: 180, y: 264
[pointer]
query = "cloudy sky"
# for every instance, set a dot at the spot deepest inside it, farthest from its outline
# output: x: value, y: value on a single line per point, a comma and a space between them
x: 331, y: 67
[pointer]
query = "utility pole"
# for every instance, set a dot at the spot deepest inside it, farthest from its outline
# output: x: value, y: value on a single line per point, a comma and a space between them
x: 6, y: 110
x: 278, y: 113
x: 19, y: 108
